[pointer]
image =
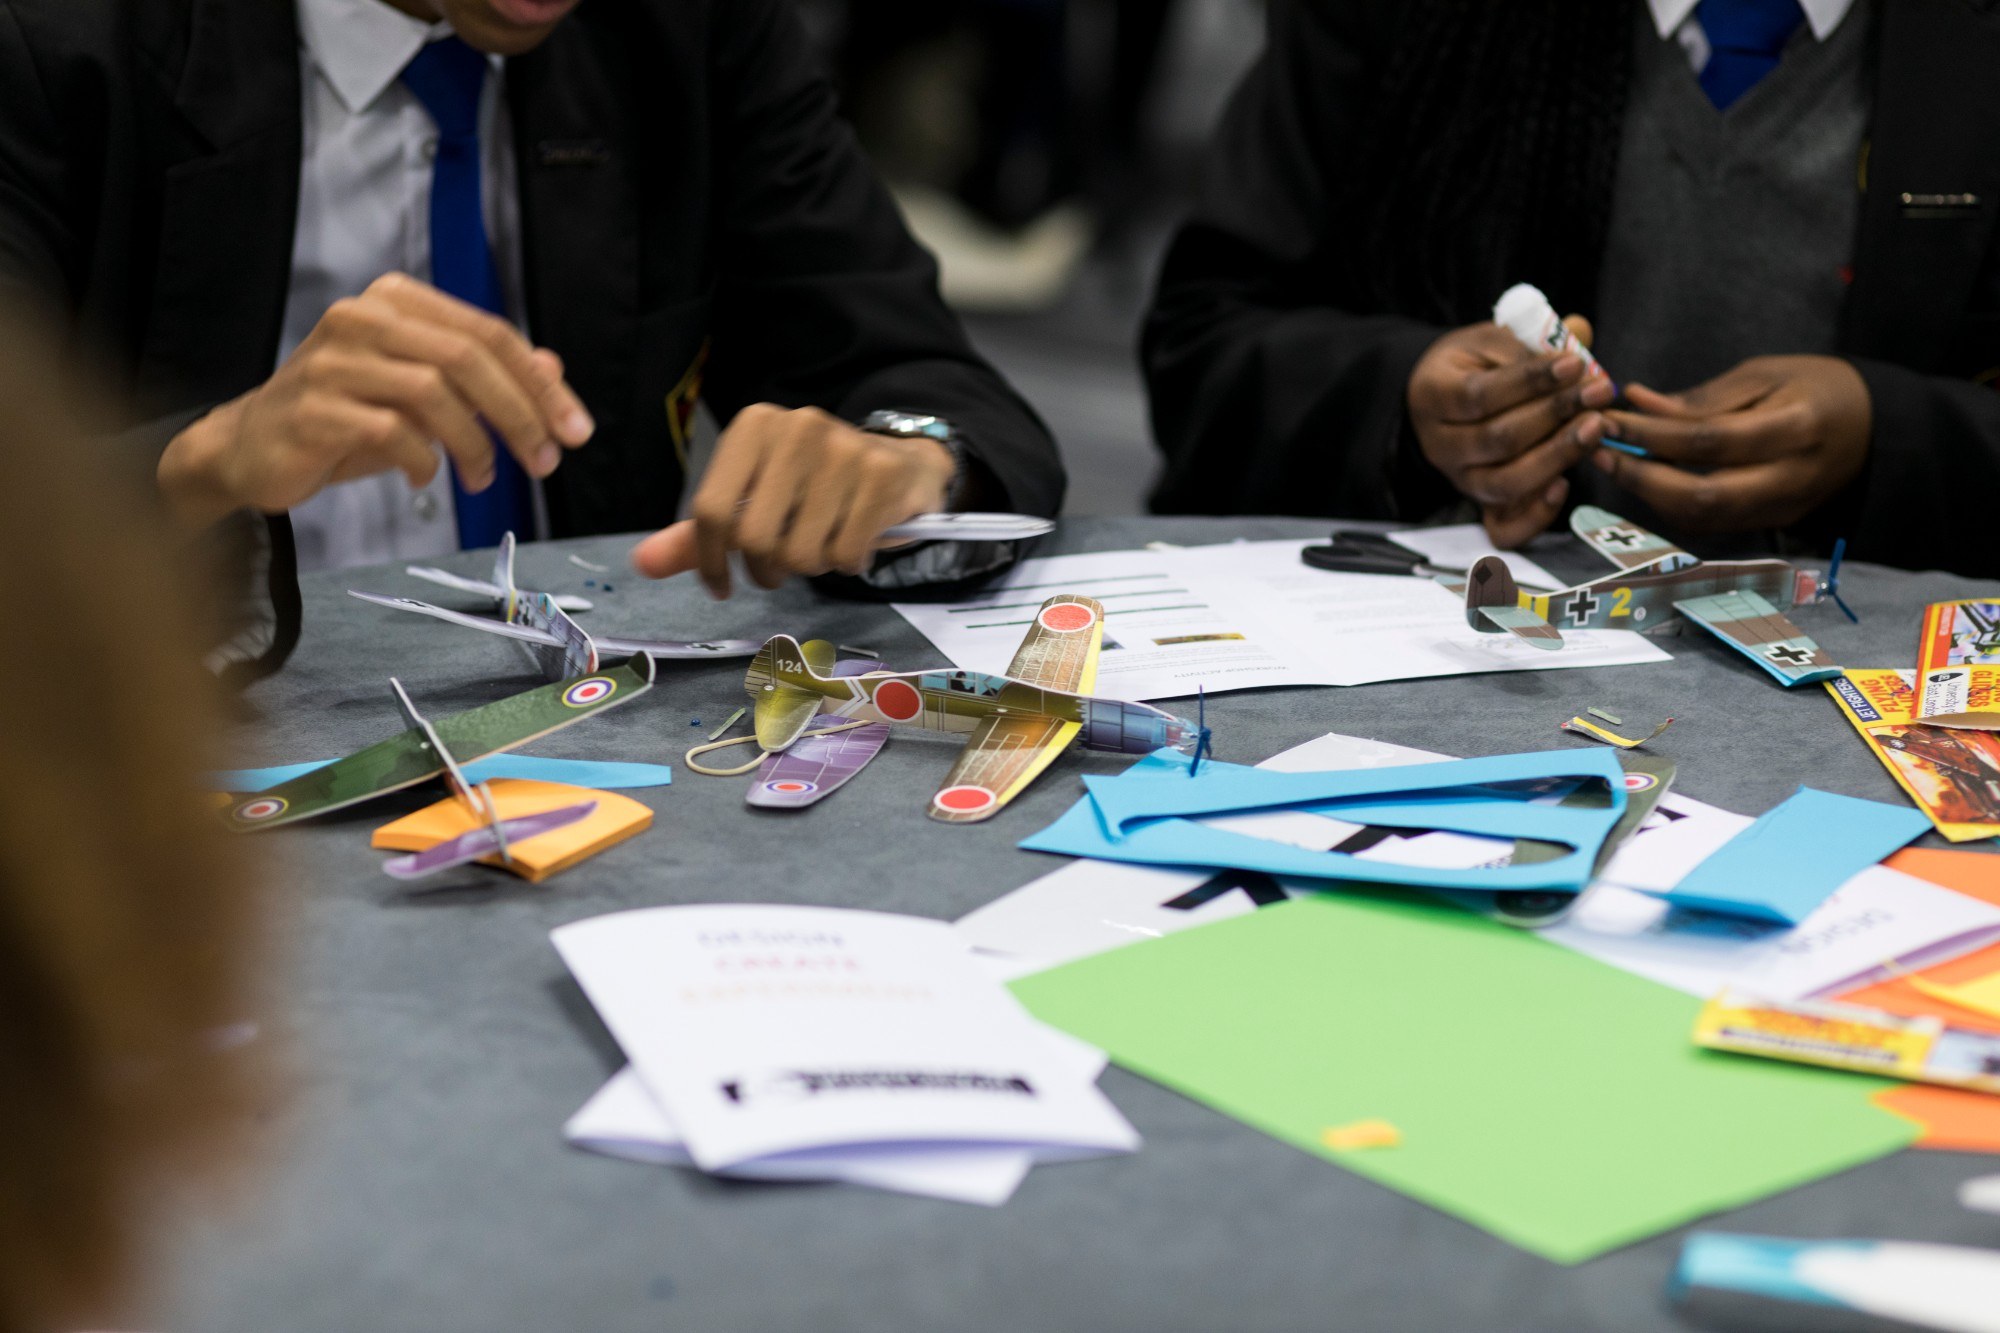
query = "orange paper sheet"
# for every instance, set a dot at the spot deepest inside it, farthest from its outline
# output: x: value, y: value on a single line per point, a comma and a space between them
x: 535, y: 859
x: 1954, y: 1119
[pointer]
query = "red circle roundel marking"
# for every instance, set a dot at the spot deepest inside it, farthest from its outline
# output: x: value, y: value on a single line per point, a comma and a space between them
x: 264, y: 807
x: 1639, y: 781
x: 1067, y: 617
x: 791, y: 788
x: 587, y: 692
x: 898, y: 700
x: 963, y: 800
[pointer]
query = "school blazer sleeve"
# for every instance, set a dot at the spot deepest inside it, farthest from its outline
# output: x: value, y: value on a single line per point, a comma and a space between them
x: 823, y: 297
x: 1271, y: 391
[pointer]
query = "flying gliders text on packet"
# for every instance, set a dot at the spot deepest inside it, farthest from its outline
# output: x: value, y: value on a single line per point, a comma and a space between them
x: 1742, y: 602
x: 1015, y: 724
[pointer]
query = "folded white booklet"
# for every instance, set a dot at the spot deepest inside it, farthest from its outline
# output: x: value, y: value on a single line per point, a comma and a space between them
x: 766, y: 1031
x: 622, y: 1119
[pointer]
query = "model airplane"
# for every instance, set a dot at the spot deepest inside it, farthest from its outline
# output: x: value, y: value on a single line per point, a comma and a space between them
x: 1742, y: 602
x: 559, y: 646
x: 502, y: 588
x: 427, y: 750
x: 1016, y: 724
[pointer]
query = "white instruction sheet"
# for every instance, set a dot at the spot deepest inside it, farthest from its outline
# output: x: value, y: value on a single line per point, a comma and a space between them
x: 1245, y: 615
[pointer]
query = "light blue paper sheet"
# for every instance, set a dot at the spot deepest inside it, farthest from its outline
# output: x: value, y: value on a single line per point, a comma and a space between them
x: 604, y: 776
x: 1148, y: 798
x: 1795, y: 855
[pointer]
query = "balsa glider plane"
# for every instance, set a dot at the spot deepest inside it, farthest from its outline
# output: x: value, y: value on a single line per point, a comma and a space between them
x: 427, y: 750
x: 1015, y: 724
x: 1741, y: 602
x: 559, y: 647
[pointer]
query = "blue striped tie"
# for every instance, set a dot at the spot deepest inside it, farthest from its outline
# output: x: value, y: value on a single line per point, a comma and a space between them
x: 448, y: 77
x: 1745, y: 39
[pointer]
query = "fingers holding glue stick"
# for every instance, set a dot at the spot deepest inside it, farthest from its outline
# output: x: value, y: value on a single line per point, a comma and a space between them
x: 1504, y: 422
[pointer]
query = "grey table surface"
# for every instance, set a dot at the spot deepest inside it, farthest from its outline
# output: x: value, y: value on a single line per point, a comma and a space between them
x: 416, y: 1178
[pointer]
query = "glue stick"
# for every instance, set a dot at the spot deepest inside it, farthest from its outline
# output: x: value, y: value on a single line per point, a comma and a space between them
x: 1523, y: 311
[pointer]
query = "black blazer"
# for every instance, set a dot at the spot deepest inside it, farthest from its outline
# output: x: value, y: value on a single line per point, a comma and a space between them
x: 1270, y: 395
x: 685, y: 184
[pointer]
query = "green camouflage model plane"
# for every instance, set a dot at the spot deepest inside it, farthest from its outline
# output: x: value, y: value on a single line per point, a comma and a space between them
x: 428, y: 749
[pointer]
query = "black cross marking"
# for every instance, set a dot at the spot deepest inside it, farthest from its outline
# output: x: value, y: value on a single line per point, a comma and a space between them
x: 1620, y: 537
x: 1581, y: 606
x: 1790, y: 656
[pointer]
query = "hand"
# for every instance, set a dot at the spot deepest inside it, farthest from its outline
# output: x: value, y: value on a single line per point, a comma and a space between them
x: 1776, y: 436
x: 798, y: 492
x: 1504, y: 423
x: 380, y: 378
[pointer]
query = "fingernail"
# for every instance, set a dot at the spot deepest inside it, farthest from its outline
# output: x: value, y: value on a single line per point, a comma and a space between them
x: 577, y: 425
x: 546, y: 459
x: 1599, y: 393
x: 1554, y: 494
x: 1604, y: 461
x: 1567, y: 367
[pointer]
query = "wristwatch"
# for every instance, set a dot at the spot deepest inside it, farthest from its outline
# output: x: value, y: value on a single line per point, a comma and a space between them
x: 917, y: 426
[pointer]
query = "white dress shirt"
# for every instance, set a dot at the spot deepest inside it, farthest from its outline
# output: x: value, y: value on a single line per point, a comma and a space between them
x: 1675, y: 19
x: 364, y: 210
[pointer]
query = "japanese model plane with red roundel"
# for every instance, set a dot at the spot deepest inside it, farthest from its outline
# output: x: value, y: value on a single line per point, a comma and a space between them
x: 1657, y: 584
x: 1015, y: 724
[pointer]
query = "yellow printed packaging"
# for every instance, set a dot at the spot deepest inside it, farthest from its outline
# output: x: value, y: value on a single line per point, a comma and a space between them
x: 1953, y: 774
x: 1847, y: 1036
x: 1958, y: 665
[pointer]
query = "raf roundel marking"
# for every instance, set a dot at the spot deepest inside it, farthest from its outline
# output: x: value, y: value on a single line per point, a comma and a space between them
x: 1640, y: 782
x: 1067, y: 618
x: 791, y: 787
x: 264, y: 807
x: 963, y: 800
x: 898, y: 700
x: 587, y: 692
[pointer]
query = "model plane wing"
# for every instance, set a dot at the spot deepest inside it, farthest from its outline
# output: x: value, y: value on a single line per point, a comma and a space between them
x: 407, y: 759
x: 1061, y: 647
x: 1003, y: 755
x: 815, y: 766
x: 678, y: 651
x: 484, y: 624
x: 1626, y: 545
x: 1755, y: 628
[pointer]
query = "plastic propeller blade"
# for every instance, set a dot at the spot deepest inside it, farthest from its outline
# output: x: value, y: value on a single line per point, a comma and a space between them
x: 1833, y: 580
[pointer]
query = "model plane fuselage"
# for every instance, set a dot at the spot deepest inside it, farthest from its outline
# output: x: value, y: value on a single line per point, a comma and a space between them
x: 958, y: 701
x: 1645, y: 599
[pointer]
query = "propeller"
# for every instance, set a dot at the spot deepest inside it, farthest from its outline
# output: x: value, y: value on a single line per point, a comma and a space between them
x: 1831, y: 586
x: 1203, y: 737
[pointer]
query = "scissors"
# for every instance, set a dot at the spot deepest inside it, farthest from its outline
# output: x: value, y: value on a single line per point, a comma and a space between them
x: 1370, y: 553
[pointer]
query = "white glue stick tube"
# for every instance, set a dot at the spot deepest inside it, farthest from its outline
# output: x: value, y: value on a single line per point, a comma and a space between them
x: 1523, y: 311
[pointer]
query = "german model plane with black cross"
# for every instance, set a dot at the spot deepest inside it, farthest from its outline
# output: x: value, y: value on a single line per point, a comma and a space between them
x: 1015, y: 724
x: 1657, y: 585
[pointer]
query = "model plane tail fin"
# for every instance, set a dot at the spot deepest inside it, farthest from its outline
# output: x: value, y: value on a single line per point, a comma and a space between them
x: 503, y: 577
x: 782, y: 685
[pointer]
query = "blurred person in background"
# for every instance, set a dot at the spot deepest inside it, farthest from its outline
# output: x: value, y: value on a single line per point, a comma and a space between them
x: 1779, y: 216
x: 126, y: 921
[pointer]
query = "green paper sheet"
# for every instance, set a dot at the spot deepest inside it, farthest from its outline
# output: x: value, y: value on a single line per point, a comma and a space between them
x: 1546, y: 1097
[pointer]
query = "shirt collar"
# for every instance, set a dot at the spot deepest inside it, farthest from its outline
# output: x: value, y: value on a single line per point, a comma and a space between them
x: 362, y: 46
x: 1822, y: 16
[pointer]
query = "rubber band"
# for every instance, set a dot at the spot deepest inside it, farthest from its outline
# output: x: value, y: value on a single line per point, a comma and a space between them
x: 762, y: 755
